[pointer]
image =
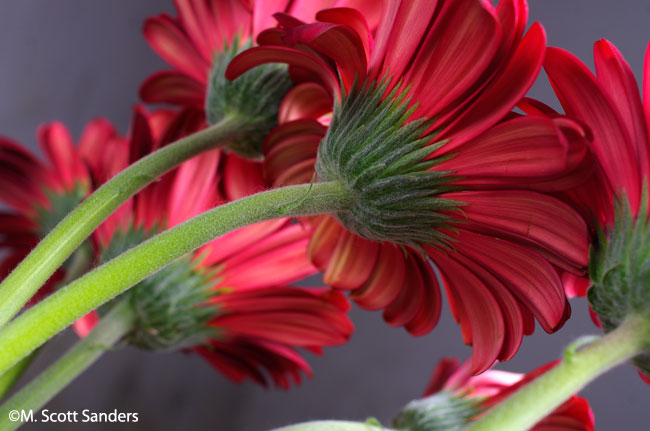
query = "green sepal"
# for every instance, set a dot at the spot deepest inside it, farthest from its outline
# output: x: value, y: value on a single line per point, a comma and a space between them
x: 61, y: 203
x: 442, y: 411
x: 619, y: 268
x: 171, y: 306
x: 254, y: 98
x: 382, y: 157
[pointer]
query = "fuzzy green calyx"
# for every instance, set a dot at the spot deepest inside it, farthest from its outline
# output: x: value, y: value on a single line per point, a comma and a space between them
x: 253, y: 98
x: 170, y: 307
x: 61, y: 203
x: 380, y: 157
x: 442, y: 411
x: 619, y: 268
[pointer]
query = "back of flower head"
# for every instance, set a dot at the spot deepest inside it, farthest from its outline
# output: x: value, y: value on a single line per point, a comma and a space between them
x: 437, y: 167
x: 609, y: 104
x: 200, y: 42
x: 229, y: 301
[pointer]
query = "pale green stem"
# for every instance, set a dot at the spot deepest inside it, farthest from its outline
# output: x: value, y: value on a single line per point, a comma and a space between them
x: 110, y: 329
x: 44, y: 320
x: 333, y: 426
x: 8, y: 379
x: 61, y: 242
x: 536, y: 400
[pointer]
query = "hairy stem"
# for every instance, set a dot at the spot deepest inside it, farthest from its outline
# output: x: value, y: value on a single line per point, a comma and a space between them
x: 36, y: 325
x: 536, y: 400
x: 62, y: 241
x: 74, y: 362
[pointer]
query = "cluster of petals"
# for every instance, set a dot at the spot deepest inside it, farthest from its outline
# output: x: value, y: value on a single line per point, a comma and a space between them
x: 465, y: 64
x: 203, y: 29
x: 261, y: 319
x: 610, y: 106
x: 38, y: 193
x: 493, y: 386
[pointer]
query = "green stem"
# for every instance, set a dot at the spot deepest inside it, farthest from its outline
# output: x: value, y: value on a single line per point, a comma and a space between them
x: 36, y: 325
x: 333, y: 426
x: 110, y: 329
x: 536, y: 400
x: 8, y: 379
x: 62, y: 241
x: 78, y: 265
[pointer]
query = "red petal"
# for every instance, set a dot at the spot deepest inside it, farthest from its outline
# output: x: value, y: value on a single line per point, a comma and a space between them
x: 406, y: 305
x: 168, y: 86
x: 351, y: 17
x: 386, y: 279
x: 55, y: 141
x: 617, y: 81
x: 582, y: 97
x: 481, y: 320
x: 529, y: 218
x: 455, y: 53
x: 172, y: 44
x: 307, y: 100
x: 351, y: 262
x: 339, y: 42
x: 428, y: 314
x: 528, y: 276
x: 259, y: 55
x: 505, y: 91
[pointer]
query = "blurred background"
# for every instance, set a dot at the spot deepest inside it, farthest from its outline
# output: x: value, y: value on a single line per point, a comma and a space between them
x: 74, y: 60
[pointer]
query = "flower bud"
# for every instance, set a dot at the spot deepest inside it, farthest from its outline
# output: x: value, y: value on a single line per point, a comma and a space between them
x: 442, y: 411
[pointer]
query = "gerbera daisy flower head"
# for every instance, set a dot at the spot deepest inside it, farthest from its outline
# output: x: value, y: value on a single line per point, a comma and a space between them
x: 454, y: 397
x: 437, y: 166
x: 609, y: 104
x: 39, y: 193
x: 200, y: 42
x: 231, y: 300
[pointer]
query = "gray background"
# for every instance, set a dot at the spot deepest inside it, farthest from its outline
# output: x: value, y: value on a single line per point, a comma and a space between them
x: 74, y: 60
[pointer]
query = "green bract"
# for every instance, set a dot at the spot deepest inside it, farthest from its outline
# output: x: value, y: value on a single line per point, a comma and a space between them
x: 170, y: 307
x: 619, y: 269
x: 442, y: 411
x: 380, y: 156
x: 253, y: 98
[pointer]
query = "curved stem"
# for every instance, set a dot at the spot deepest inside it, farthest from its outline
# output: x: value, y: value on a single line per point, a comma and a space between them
x: 36, y: 325
x: 62, y: 241
x: 8, y: 379
x: 533, y: 402
x: 333, y: 426
x: 110, y: 329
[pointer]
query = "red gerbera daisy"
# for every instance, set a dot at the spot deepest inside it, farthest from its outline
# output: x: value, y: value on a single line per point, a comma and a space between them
x: 206, y: 28
x: 441, y: 75
x: 232, y: 302
x: 454, y: 397
x: 40, y: 194
x: 609, y: 104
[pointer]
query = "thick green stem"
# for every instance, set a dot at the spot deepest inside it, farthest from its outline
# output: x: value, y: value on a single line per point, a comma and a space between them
x: 47, y: 318
x: 536, y: 400
x: 62, y: 241
x: 43, y: 388
x: 8, y: 379
x: 333, y: 426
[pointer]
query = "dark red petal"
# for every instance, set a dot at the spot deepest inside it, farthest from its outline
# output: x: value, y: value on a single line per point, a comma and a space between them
x: 529, y: 218
x: 582, y: 97
x: 505, y: 91
x: 386, y: 279
x: 528, y: 276
x: 259, y: 55
x: 481, y: 319
x: 617, y: 80
x: 168, y: 86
